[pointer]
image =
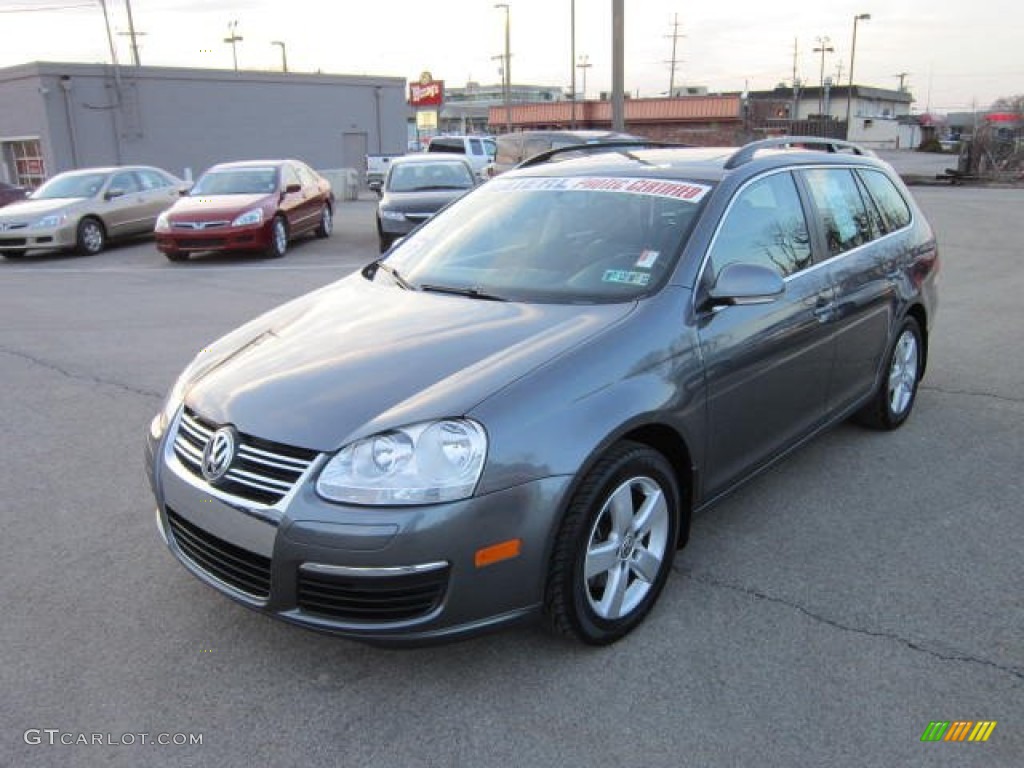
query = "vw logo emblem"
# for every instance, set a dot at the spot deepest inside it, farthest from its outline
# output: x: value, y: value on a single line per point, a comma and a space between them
x: 218, y: 454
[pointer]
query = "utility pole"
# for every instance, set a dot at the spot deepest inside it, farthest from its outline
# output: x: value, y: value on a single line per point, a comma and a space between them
x: 507, y: 84
x: 672, y: 64
x: 233, y: 39
x: 131, y: 32
x: 853, y: 53
x: 584, y: 64
x: 902, y: 76
x: 795, y: 112
x: 572, y: 61
x: 618, y: 65
x: 823, y: 48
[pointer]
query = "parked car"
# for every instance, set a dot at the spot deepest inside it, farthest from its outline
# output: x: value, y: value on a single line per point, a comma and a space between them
x: 478, y: 150
x: 518, y: 410
x: 82, y: 210
x: 9, y: 193
x: 416, y: 187
x: 513, y: 148
x: 258, y: 205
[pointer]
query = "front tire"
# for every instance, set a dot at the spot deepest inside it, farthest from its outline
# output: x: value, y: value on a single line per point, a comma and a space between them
x: 897, y: 392
x: 615, y: 547
x: 278, y: 238
x: 326, y: 223
x: 90, y: 237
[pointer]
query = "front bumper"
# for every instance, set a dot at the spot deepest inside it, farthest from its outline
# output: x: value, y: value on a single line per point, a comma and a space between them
x: 386, y: 575
x: 29, y: 239
x: 227, y: 238
x: 404, y: 225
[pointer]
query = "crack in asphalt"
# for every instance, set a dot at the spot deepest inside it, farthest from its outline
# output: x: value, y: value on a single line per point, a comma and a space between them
x: 78, y: 376
x: 971, y: 393
x: 713, y: 582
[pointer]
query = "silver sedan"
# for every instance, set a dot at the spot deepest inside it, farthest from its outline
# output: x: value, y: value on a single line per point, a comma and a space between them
x: 81, y: 210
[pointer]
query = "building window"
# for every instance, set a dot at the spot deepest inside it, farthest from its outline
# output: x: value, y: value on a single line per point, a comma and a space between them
x: 23, y: 160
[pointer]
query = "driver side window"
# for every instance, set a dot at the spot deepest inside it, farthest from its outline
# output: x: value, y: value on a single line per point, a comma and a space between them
x: 766, y: 226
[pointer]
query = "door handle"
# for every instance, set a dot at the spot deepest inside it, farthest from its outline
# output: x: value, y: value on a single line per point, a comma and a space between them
x: 824, y: 308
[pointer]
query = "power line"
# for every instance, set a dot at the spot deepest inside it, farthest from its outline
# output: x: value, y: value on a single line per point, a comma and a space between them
x: 37, y: 9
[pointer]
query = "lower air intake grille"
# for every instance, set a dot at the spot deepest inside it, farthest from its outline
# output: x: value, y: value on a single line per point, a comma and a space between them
x: 244, y: 570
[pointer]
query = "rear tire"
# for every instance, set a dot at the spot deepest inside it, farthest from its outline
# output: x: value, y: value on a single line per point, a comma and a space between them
x: 179, y: 256
x: 894, y: 399
x: 90, y: 237
x: 615, y: 546
x: 278, y: 238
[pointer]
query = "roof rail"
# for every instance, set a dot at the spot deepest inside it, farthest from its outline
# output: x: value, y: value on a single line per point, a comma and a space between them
x: 746, y: 153
x: 597, y: 146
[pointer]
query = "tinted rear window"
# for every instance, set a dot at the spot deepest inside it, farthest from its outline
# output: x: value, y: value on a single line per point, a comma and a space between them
x: 890, y: 202
x: 458, y: 146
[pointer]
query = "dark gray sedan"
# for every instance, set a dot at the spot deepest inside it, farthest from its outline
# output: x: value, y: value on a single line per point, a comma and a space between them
x: 517, y: 411
x: 417, y: 187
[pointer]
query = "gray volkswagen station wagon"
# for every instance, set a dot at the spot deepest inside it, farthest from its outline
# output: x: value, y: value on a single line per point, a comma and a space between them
x: 515, y: 412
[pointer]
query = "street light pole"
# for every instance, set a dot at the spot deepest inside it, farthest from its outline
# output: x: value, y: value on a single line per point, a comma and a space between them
x: 507, y: 84
x: 823, y: 48
x: 618, y: 66
x: 853, y: 52
x: 233, y: 39
x: 284, y: 55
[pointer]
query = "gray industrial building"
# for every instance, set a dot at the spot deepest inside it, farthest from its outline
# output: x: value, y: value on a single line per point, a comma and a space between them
x: 55, y: 117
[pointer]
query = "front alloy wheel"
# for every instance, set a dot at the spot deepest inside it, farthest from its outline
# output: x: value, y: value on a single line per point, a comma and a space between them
x: 615, y: 547
x: 90, y: 237
x: 278, y: 238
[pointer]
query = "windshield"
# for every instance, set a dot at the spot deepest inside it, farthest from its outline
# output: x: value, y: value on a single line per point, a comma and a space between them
x: 238, y: 181
x: 414, y: 177
x: 71, y: 185
x: 560, y: 240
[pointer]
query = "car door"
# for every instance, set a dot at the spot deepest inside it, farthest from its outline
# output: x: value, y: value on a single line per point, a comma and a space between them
x: 301, y: 207
x: 122, y: 205
x: 860, y: 265
x: 767, y: 365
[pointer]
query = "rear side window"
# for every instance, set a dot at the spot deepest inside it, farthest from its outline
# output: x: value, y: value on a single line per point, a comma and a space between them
x: 840, y: 207
x: 894, y: 208
x: 765, y: 225
x: 476, y: 147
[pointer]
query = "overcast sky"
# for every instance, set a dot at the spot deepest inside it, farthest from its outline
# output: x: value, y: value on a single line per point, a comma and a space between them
x: 956, y: 54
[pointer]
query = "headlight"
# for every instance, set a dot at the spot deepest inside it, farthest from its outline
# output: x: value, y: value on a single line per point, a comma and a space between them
x: 49, y: 222
x: 424, y: 463
x: 158, y: 426
x: 162, y: 222
x: 255, y: 216
x: 393, y: 215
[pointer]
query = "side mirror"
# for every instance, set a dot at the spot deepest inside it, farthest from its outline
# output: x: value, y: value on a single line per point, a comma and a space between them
x: 746, y: 284
x: 292, y: 188
x: 114, y: 192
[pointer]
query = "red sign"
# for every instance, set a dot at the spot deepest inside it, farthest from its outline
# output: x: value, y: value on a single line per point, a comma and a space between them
x: 426, y: 94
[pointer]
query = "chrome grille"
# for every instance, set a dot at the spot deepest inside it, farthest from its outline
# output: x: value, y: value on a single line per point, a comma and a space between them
x: 261, y: 471
x: 198, y: 224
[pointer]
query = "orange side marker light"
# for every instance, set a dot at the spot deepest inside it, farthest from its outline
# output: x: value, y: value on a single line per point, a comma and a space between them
x: 495, y: 553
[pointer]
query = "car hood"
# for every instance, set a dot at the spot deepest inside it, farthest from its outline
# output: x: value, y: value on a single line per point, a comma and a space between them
x: 356, y: 358
x: 21, y: 210
x: 215, y: 206
x: 425, y: 200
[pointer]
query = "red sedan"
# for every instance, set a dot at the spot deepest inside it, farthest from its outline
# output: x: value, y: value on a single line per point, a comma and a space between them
x: 247, y: 206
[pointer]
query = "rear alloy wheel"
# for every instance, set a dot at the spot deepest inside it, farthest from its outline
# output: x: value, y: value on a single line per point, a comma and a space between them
x: 615, y: 547
x: 278, y: 238
x: 326, y: 223
x: 90, y: 237
x: 897, y: 392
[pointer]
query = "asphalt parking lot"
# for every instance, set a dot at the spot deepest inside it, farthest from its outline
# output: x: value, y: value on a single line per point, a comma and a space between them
x: 823, y: 615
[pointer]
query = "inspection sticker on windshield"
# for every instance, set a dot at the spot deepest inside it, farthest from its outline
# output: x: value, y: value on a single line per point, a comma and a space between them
x: 647, y: 258
x: 677, y: 190
x: 626, y: 277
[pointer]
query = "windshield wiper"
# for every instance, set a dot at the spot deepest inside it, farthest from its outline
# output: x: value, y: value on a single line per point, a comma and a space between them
x: 473, y: 293
x: 395, y: 275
